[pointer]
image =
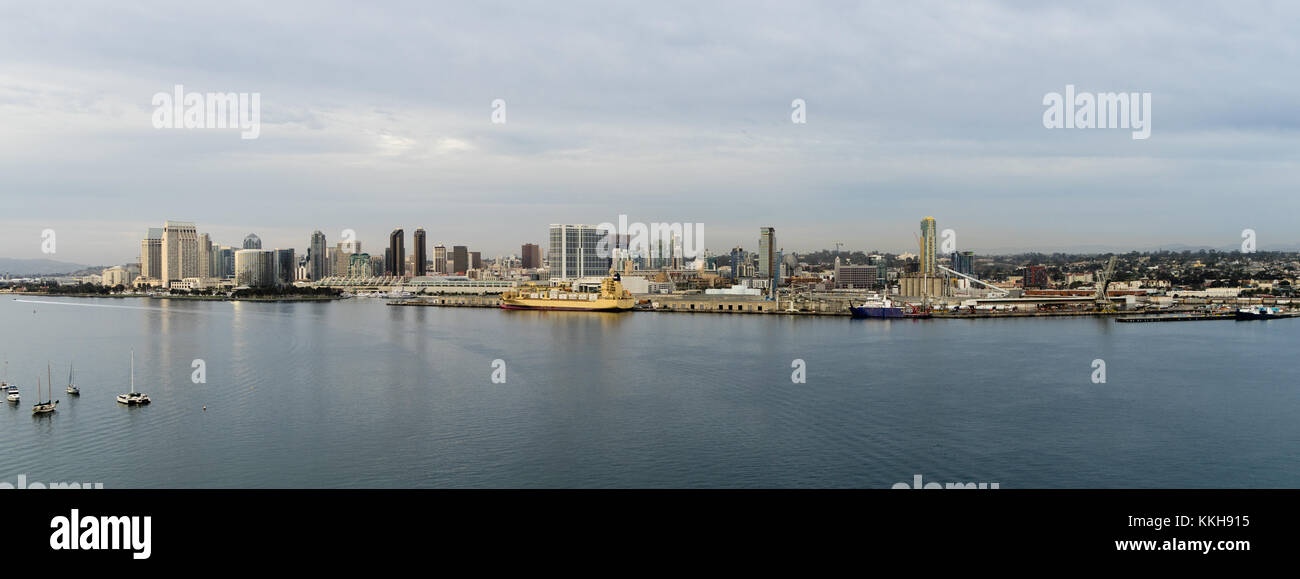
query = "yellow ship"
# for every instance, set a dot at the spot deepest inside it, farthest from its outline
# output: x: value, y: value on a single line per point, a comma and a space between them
x: 611, y: 298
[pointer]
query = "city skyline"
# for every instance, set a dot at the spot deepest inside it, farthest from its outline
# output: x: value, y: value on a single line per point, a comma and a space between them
x: 688, y: 121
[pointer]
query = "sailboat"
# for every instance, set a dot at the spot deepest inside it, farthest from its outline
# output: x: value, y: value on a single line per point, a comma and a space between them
x: 10, y: 390
x: 133, y: 398
x: 72, y: 388
x: 47, y: 406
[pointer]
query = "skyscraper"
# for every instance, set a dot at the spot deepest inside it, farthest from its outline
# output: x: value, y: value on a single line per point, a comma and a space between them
x: 180, y: 252
x: 341, y: 257
x: 205, y: 256
x: 151, y: 254
x: 476, y: 260
x: 254, y: 267
x: 768, y: 268
x: 459, y: 259
x: 396, y: 256
x: 961, y: 261
x: 284, y: 266
x: 531, y: 256
x: 252, y: 241
x: 421, y: 255
x: 929, y: 247
x: 317, y: 266
x: 440, y: 258
x: 573, y: 253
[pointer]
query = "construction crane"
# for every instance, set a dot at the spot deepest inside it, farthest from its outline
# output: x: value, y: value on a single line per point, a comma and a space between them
x: 1103, y: 280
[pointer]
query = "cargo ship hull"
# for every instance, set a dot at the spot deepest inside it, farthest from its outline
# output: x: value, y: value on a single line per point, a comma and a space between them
x: 555, y: 308
x: 865, y: 312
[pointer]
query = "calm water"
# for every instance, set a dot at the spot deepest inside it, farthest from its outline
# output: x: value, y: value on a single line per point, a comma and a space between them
x: 359, y: 394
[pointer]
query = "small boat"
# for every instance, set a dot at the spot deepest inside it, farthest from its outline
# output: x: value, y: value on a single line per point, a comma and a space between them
x: 10, y: 391
x: 72, y: 388
x: 133, y: 398
x: 47, y: 406
x: 885, y: 308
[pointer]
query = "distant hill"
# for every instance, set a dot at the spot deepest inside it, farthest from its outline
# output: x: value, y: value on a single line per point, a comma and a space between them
x: 26, y: 267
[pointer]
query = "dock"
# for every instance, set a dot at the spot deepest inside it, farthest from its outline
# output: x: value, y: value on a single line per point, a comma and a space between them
x: 1177, y: 318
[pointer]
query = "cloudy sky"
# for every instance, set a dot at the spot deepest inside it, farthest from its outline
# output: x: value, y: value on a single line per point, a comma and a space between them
x: 376, y: 115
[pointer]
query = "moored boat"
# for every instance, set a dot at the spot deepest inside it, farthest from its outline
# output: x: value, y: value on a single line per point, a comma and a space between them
x: 611, y: 297
x: 886, y: 308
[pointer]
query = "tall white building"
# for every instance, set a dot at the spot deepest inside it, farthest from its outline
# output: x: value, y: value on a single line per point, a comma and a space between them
x: 767, y: 265
x: 573, y: 252
x: 180, y: 252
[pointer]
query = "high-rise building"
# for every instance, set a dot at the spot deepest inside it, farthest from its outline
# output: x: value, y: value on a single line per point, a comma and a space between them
x: 180, y: 252
x: 420, y: 253
x: 359, y: 265
x: 531, y: 256
x: 476, y: 260
x: 227, y: 267
x: 459, y: 259
x: 440, y: 258
x: 737, y: 263
x: 395, y: 257
x: 284, y: 266
x: 151, y: 254
x: 573, y: 252
x: 929, y: 247
x: 318, y: 268
x: 767, y: 261
x: 341, y: 257
x: 252, y: 241
x: 254, y: 267
x: 205, y: 256
x: 961, y: 261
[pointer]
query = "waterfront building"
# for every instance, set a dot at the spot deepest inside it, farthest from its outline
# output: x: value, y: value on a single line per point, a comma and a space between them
x: 318, y: 267
x: 767, y: 261
x: 284, y: 266
x: 421, y: 256
x: 395, y: 257
x: 180, y: 251
x: 440, y: 258
x: 573, y: 254
x: 254, y: 267
x: 151, y: 255
x: 459, y: 259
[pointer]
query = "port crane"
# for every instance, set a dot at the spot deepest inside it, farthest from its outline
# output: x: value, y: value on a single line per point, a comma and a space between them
x: 1103, y: 281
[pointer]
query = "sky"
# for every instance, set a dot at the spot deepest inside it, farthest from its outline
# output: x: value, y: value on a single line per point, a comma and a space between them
x: 380, y: 115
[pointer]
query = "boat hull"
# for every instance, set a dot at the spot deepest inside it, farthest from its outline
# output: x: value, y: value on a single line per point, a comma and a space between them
x: 614, y: 308
x: 866, y: 312
x: 1257, y: 316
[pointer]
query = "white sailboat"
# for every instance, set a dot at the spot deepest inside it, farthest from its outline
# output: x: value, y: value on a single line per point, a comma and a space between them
x: 72, y: 388
x: 47, y: 406
x: 133, y: 398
